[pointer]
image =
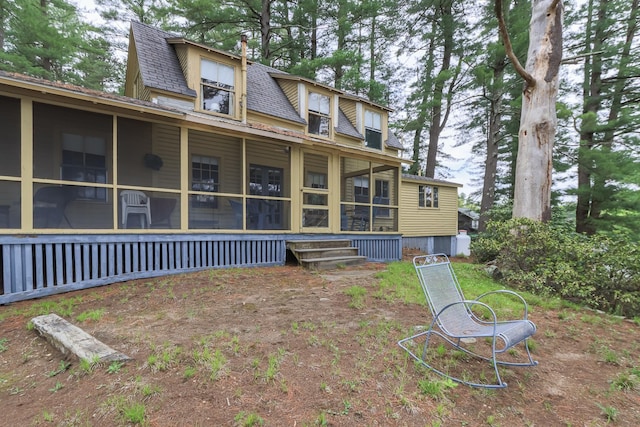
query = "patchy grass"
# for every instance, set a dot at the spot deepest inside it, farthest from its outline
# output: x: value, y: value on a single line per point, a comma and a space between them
x: 284, y: 346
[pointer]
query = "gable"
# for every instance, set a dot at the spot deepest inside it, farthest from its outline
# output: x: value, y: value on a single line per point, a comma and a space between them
x: 158, y: 62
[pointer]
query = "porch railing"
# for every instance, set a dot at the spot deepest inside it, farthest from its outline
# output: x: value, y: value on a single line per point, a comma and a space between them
x: 44, y: 265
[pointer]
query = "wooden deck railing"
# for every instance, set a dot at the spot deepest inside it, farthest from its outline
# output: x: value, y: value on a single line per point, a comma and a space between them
x: 44, y: 265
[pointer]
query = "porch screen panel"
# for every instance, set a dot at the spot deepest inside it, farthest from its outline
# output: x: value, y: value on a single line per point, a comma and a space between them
x: 71, y: 145
x: 315, y: 197
x: 9, y: 204
x: 9, y: 162
x: 148, y: 154
x: 228, y: 150
x: 215, y: 177
x: 63, y: 207
x: 9, y: 137
x: 273, y: 156
x: 355, y: 195
x: 384, y: 197
x: 166, y: 147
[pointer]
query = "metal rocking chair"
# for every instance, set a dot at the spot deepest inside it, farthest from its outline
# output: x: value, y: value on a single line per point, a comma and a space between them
x: 455, y: 322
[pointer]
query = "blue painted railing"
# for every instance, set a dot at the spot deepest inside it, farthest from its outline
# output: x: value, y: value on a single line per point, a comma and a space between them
x: 38, y: 266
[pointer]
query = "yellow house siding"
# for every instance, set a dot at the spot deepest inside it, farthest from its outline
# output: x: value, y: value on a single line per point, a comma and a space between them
x: 166, y: 144
x: 290, y: 89
x: 418, y: 221
x: 343, y: 139
x: 349, y: 108
x: 183, y: 58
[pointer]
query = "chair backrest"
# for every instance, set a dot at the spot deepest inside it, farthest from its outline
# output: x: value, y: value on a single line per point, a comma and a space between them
x: 133, y: 197
x: 236, y: 207
x: 58, y: 195
x: 441, y: 288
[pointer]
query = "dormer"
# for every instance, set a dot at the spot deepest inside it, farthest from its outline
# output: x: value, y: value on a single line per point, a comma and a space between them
x: 192, y: 77
x: 215, y: 76
x: 179, y: 73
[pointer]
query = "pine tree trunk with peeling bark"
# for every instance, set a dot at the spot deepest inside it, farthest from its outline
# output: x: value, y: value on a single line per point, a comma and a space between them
x: 532, y: 192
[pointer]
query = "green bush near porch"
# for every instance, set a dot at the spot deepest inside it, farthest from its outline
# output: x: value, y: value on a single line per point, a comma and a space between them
x: 597, y: 271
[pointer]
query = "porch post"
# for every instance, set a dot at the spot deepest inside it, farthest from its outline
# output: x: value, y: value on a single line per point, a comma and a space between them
x: 26, y: 168
x: 114, y: 166
x: 184, y: 178
x: 296, y: 169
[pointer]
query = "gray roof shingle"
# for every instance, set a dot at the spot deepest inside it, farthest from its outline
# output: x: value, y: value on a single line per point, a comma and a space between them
x: 159, y: 66
x: 264, y: 94
x: 345, y: 127
x: 394, y: 142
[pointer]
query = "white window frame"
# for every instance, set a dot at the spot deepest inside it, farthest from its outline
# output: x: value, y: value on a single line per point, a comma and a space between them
x: 319, y: 107
x: 428, y: 196
x: 218, y: 80
x: 373, y: 126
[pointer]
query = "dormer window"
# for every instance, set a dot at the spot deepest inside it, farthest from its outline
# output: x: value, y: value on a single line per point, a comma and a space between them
x: 217, y: 87
x: 373, y: 129
x: 319, y: 114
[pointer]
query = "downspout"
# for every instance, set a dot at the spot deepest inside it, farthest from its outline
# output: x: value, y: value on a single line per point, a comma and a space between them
x: 243, y: 96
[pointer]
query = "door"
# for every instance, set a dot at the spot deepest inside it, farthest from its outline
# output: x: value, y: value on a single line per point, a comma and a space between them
x: 315, y: 193
x: 265, y: 214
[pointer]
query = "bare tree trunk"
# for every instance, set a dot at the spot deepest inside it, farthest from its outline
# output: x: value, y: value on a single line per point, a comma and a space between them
x: 532, y: 191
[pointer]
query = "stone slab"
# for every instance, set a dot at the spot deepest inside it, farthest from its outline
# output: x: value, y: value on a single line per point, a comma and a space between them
x: 71, y: 340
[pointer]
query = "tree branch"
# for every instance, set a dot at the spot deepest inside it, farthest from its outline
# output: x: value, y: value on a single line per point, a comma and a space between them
x: 506, y: 41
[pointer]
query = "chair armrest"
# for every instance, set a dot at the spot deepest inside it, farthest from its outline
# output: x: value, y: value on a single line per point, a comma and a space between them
x: 508, y: 292
x: 468, y: 304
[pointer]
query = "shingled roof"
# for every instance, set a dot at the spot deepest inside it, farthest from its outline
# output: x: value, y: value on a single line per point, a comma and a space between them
x: 160, y: 69
x: 345, y: 127
x: 393, y: 142
x: 265, y: 96
x: 159, y: 66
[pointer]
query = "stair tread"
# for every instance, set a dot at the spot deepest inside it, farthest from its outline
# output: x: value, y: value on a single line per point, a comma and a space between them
x: 337, y: 258
x: 326, y: 249
x: 318, y: 240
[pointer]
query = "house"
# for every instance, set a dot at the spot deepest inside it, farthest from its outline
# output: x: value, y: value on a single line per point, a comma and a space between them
x: 468, y: 220
x: 429, y: 206
x: 209, y: 160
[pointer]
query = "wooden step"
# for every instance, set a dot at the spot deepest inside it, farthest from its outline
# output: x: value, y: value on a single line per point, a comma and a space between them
x: 312, y: 244
x: 332, y: 262
x: 325, y: 252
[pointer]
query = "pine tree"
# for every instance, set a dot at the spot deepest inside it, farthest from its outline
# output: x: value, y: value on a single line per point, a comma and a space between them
x: 608, y: 155
x: 46, y: 39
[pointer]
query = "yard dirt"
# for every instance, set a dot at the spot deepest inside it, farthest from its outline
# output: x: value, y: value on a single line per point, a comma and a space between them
x: 284, y: 346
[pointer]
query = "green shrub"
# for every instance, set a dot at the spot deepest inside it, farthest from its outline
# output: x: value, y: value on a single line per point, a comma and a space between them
x: 597, y: 271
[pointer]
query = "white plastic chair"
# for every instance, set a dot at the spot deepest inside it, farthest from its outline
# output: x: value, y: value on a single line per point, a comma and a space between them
x: 135, y: 202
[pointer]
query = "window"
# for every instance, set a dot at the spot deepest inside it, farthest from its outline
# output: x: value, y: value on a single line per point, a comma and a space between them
x: 373, y: 130
x: 217, y: 87
x: 382, y: 197
x: 204, y: 177
x: 316, y: 180
x: 361, y: 189
x: 319, y: 114
x: 428, y: 196
x: 84, y: 159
